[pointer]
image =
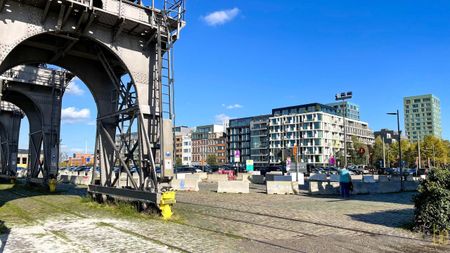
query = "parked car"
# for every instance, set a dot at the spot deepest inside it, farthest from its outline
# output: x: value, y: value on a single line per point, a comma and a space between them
x: 273, y: 168
x: 186, y: 170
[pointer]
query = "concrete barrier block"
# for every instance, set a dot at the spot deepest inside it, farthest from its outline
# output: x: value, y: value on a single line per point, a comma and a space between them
x: 244, y: 177
x: 184, y: 185
x: 383, y: 178
x: 193, y: 177
x: 411, y: 185
x: 272, y: 177
x: 279, y: 187
x: 258, y: 179
x: 255, y: 172
x: 334, y: 178
x: 214, y: 178
x: 368, y: 179
x: 180, y: 175
x: 318, y: 177
x: 324, y: 188
x: 233, y: 187
x: 202, y: 175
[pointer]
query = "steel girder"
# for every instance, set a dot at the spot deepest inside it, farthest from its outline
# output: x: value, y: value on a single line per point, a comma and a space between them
x: 10, y: 119
x: 100, y: 45
x: 38, y: 92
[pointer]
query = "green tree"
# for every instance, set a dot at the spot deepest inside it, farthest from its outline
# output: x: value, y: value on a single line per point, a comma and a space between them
x: 377, y: 153
x: 178, y: 162
x: 407, y: 153
x: 211, y: 160
x: 434, y: 151
x: 356, y: 157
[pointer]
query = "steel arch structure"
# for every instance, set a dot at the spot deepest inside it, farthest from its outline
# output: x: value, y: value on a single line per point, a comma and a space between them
x: 122, y: 51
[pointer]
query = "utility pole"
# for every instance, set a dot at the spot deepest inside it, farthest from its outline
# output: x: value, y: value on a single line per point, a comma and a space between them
x: 399, y: 148
x: 384, y: 154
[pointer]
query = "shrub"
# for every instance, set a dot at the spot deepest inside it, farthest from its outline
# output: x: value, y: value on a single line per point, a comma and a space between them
x: 432, y: 204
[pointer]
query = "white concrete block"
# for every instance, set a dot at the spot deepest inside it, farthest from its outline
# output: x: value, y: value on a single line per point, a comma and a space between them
x: 202, y: 175
x: 318, y: 177
x: 184, y: 185
x: 193, y: 177
x: 382, y: 178
x: 233, y: 187
x: 368, y: 179
x: 279, y: 187
x: 334, y: 178
x: 214, y: 178
x: 180, y: 176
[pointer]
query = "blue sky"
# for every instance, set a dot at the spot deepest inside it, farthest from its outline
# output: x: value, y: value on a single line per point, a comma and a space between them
x: 251, y: 56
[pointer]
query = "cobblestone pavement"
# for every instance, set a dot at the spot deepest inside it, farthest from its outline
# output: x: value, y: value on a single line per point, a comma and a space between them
x: 209, y: 222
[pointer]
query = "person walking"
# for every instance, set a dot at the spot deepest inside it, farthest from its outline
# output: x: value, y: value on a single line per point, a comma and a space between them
x: 345, y: 181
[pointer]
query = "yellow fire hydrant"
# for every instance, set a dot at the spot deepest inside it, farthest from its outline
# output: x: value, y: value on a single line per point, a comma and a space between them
x: 167, y: 200
x: 52, y: 185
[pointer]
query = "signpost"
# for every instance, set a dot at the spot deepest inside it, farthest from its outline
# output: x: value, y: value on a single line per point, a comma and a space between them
x: 237, y: 156
x: 249, y: 165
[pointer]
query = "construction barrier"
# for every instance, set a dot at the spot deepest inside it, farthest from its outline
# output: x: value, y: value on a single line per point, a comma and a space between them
x: 184, y: 185
x: 202, y: 175
x: 334, y: 178
x: 274, y: 177
x: 243, y: 177
x: 233, y: 187
x: 214, y: 178
x: 368, y: 179
x: 279, y: 187
x: 332, y: 188
x: 192, y: 177
x: 318, y: 177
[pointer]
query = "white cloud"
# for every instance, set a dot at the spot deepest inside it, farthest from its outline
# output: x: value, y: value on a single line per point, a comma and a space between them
x: 72, y: 115
x: 73, y: 88
x: 221, y: 17
x: 222, y: 119
x: 230, y: 107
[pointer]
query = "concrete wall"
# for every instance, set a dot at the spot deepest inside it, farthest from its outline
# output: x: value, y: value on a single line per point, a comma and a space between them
x: 332, y: 188
x: 233, y: 187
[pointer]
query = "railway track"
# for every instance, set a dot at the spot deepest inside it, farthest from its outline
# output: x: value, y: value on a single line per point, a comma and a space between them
x: 240, y: 212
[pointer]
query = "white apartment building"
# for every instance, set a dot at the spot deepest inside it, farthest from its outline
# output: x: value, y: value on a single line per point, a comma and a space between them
x: 316, y: 129
x: 187, y: 150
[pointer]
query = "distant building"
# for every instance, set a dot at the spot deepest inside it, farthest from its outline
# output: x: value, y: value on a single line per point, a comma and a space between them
x: 249, y: 136
x: 316, y: 129
x: 352, y: 110
x: 389, y: 136
x: 208, y: 140
x: 422, y: 116
x: 80, y: 159
x: 183, y: 145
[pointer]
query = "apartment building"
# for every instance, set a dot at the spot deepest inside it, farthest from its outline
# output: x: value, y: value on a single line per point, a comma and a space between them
x: 422, y: 116
x: 316, y: 129
x: 350, y: 109
x: 183, y: 152
x: 208, y: 140
x: 248, y: 136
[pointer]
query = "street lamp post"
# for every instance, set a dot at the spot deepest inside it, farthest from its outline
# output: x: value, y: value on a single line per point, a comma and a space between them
x: 342, y: 97
x: 399, y: 147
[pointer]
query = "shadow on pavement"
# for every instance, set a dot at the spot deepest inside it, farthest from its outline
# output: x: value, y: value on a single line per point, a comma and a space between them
x: 392, y: 218
x: 404, y: 198
x: 4, y: 233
